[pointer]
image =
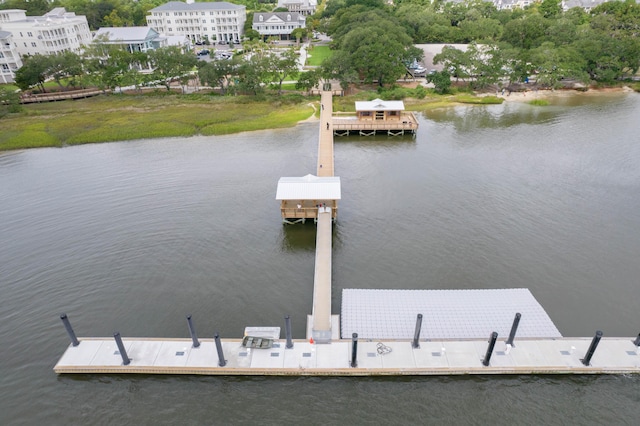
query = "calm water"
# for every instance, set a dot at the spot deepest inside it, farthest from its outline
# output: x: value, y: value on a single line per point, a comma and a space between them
x: 133, y: 236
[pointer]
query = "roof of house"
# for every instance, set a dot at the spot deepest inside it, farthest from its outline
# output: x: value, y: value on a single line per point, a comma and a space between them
x: 308, y: 187
x: 5, y: 34
x: 280, y: 17
x: 127, y: 33
x: 379, y: 105
x: 180, y: 6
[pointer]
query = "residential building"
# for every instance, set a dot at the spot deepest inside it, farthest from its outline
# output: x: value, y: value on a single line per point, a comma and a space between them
x: 209, y: 21
x: 278, y: 24
x: 54, y: 32
x: 9, y: 58
x: 133, y: 39
x: 305, y: 7
x: 587, y: 5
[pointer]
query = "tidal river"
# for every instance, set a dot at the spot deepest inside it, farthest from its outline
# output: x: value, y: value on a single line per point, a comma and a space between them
x: 133, y: 236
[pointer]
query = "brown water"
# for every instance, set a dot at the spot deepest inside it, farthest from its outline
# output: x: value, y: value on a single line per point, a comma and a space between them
x: 133, y: 236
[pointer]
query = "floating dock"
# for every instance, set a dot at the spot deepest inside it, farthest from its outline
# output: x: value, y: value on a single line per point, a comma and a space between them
x: 373, y: 358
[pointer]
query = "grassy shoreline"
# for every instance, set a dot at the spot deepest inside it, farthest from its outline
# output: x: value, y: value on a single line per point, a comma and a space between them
x: 113, y: 118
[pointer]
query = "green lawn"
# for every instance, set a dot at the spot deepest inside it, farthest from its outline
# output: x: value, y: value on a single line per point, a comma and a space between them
x: 317, y: 54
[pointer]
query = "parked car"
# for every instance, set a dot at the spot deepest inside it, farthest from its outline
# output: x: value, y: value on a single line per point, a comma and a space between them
x: 203, y: 52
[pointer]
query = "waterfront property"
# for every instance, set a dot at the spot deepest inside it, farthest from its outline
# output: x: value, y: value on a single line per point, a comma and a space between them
x: 10, y: 59
x: 376, y: 116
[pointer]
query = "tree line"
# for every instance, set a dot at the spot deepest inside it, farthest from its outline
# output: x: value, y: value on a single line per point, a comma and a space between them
x: 374, y: 40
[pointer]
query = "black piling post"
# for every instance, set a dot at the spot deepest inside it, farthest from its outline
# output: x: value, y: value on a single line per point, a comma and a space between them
x: 492, y: 344
x: 123, y: 352
x: 514, y: 328
x: 287, y: 328
x: 67, y: 325
x: 192, y: 332
x: 416, y: 335
x: 637, y: 341
x: 354, y: 350
x: 221, y: 361
x: 592, y: 348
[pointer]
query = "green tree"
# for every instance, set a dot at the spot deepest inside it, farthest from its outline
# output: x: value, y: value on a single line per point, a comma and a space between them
x: 171, y: 63
x: 378, y: 51
x: 33, y: 72
x: 441, y: 81
x: 279, y: 65
x: 218, y: 73
x: 456, y: 61
x: 308, y: 80
x: 550, y: 8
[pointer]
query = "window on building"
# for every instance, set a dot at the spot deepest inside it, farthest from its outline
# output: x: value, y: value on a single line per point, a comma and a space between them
x: 33, y: 44
x: 29, y: 34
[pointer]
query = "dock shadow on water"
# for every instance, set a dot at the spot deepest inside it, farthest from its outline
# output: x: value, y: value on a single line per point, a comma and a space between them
x: 298, y: 237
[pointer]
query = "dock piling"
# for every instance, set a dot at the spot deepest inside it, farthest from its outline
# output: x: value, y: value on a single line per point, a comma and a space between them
x: 67, y: 325
x: 514, y: 328
x: 492, y: 344
x: 287, y: 328
x: 592, y: 348
x: 354, y: 350
x: 192, y: 332
x: 123, y: 352
x: 637, y: 341
x: 416, y: 335
x: 221, y: 361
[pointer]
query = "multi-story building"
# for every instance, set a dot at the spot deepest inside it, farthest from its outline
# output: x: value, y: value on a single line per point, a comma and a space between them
x: 305, y: 7
x: 278, y: 24
x: 54, y: 32
x: 212, y: 21
x: 9, y: 58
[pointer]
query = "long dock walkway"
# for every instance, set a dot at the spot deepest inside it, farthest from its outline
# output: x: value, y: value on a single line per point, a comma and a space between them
x: 325, y: 145
x: 178, y: 356
x: 321, y: 314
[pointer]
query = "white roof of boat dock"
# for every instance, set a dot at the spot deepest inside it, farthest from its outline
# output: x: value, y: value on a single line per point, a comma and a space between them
x: 379, y: 105
x: 446, y: 314
x: 308, y: 187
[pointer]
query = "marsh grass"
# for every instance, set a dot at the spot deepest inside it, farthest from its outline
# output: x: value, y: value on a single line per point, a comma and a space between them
x: 538, y: 102
x: 125, y: 117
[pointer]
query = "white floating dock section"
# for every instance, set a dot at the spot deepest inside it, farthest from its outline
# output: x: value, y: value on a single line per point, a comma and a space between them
x: 177, y: 356
x: 446, y: 314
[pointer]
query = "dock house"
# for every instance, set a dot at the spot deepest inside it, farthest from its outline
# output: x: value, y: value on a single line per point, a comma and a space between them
x: 376, y: 116
x: 301, y: 197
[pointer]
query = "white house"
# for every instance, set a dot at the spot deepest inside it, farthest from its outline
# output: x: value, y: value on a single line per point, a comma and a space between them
x: 134, y: 39
x: 305, y: 7
x: 212, y: 21
x: 9, y: 58
x: 54, y: 32
x: 279, y: 24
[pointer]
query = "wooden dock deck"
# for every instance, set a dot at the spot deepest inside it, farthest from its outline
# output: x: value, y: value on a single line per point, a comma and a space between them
x: 443, y: 357
x: 321, y: 327
x: 325, y: 166
x: 349, y: 124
